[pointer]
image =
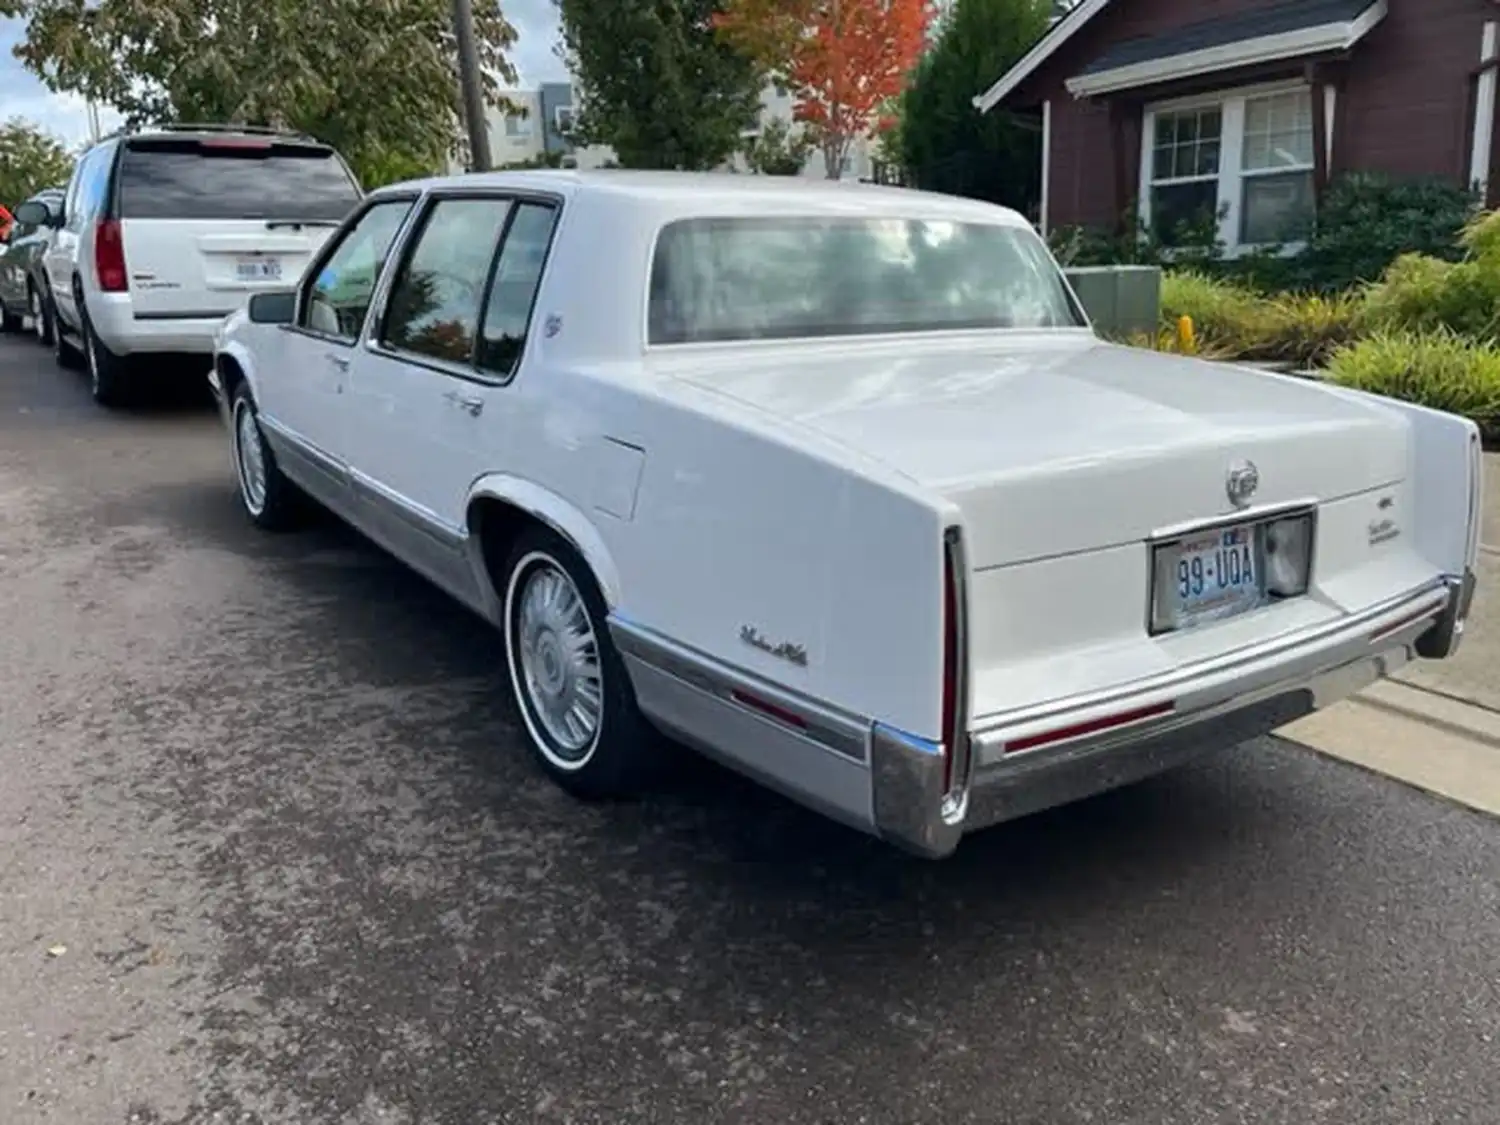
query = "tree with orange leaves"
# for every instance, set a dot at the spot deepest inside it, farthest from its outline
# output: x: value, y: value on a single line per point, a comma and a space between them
x: 842, y: 60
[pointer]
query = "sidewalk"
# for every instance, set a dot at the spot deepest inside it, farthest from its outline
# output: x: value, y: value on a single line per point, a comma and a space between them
x: 1434, y: 725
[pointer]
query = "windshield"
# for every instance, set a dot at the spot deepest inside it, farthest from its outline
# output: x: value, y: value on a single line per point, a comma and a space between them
x: 732, y: 278
x: 205, y: 180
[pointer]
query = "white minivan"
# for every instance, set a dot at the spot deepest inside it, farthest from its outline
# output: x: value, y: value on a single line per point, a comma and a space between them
x: 165, y: 232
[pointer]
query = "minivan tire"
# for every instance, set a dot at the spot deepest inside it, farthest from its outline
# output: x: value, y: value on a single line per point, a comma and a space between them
x: 68, y: 357
x: 10, y: 322
x: 107, y: 372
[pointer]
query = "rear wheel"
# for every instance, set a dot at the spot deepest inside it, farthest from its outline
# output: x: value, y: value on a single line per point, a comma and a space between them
x: 107, y: 371
x: 570, y: 685
x: 9, y: 321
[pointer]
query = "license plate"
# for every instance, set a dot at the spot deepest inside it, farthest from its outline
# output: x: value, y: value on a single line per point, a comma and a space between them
x: 1210, y: 576
x: 258, y: 269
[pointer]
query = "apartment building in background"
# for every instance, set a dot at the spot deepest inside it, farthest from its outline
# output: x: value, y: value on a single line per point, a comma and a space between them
x: 546, y: 114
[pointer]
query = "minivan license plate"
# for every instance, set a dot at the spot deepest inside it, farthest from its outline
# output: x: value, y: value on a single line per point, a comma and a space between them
x: 1212, y: 575
x: 258, y: 269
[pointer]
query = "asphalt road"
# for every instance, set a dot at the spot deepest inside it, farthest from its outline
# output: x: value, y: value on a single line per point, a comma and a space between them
x: 269, y: 852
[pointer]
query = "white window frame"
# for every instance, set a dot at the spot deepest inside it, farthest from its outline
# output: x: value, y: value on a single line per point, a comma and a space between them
x: 1231, y: 106
x: 557, y: 118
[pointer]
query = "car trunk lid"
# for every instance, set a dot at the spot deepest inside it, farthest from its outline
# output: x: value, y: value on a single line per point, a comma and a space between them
x: 1051, y: 444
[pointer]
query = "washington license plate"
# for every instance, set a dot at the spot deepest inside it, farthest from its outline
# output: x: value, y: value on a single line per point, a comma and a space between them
x: 1210, y: 575
x: 258, y: 269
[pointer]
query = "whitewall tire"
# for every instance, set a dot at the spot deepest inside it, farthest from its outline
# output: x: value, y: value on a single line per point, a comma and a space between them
x: 268, y: 498
x: 568, y: 681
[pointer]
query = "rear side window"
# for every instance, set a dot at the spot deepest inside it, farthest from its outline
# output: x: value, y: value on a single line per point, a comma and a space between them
x: 234, y: 180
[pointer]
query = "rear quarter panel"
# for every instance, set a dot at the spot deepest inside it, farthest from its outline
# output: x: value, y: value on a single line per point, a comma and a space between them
x: 740, y: 522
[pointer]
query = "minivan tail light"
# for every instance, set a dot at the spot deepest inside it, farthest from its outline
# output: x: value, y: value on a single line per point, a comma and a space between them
x: 955, y: 711
x: 109, y: 257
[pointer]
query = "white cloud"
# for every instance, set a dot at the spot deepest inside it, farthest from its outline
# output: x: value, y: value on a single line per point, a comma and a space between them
x: 22, y: 95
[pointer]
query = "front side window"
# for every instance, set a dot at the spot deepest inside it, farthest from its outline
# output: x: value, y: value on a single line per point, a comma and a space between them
x: 435, y: 299
x: 736, y: 278
x: 338, y: 297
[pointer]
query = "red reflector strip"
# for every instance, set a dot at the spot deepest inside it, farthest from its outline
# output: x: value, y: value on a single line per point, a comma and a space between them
x: 769, y: 709
x: 1093, y: 726
x: 1405, y: 622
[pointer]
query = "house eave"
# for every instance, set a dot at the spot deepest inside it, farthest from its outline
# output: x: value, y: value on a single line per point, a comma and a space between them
x: 1329, y: 37
x: 1043, y: 49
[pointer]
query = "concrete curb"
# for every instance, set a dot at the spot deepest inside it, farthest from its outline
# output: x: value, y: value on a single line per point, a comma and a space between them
x: 1428, y: 740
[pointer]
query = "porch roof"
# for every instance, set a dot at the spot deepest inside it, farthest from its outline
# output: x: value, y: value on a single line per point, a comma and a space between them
x: 1282, y: 31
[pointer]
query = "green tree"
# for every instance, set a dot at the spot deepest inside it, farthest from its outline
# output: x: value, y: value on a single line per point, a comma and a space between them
x: 376, y: 80
x: 948, y: 145
x: 30, y: 159
x: 657, y: 84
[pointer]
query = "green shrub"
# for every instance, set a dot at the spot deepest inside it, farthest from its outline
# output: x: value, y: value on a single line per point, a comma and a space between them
x: 1304, y: 330
x: 1422, y: 293
x: 1440, y: 369
x: 1224, y: 315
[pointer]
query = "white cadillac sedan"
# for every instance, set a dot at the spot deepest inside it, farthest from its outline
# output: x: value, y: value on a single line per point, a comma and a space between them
x: 836, y: 484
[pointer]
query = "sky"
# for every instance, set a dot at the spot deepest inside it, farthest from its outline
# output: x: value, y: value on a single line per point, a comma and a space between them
x: 21, y: 95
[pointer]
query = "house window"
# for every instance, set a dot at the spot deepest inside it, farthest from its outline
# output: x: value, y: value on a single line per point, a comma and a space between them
x: 1185, y: 170
x: 563, y: 118
x: 1241, y: 162
x: 516, y: 126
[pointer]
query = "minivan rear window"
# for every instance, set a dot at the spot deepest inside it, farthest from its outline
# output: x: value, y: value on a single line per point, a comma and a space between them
x: 192, y: 180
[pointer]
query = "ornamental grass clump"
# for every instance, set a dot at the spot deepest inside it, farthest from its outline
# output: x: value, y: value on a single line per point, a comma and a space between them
x: 1440, y: 368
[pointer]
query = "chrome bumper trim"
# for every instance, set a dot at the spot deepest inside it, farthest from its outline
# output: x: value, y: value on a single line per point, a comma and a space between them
x: 1216, y: 703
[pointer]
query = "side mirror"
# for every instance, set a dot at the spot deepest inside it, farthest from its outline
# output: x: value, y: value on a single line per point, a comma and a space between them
x: 35, y: 213
x: 277, y: 307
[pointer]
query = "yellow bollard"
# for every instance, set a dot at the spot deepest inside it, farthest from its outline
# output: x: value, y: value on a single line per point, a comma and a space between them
x: 1185, y: 338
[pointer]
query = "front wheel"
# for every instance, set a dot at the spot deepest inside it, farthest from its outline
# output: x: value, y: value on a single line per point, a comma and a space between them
x: 9, y: 321
x: 268, y: 497
x: 570, y: 685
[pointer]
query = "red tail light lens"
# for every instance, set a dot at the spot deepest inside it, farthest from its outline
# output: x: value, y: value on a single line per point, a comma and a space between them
x: 109, y: 257
x: 955, y: 717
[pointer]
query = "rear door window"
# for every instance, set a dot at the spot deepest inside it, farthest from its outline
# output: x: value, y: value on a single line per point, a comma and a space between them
x: 234, y: 179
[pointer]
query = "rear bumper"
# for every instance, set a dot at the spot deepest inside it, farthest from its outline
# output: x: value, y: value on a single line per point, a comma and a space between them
x: 1027, y: 761
x: 124, y: 333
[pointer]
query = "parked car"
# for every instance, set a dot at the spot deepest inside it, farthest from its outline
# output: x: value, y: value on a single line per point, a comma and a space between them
x: 163, y: 233
x: 21, y: 273
x: 836, y: 484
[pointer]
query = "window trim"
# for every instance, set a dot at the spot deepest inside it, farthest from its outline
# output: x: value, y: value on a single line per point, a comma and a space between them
x: 557, y: 112
x: 1230, y: 102
x: 304, y: 285
x: 374, y: 330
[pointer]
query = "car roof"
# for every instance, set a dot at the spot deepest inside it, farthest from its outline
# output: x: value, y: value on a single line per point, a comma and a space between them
x: 708, y: 192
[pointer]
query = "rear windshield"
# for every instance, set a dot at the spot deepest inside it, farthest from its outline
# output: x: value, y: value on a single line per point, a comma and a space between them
x: 731, y: 278
x: 188, y: 180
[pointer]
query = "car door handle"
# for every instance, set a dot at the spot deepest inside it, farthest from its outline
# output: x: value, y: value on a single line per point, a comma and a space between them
x: 473, y: 405
x: 341, y: 362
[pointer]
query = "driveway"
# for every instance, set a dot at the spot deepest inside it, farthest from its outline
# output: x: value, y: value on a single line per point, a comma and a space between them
x: 270, y: 852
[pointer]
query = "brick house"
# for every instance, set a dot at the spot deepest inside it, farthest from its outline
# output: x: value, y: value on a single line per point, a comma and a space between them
x: 1247, y: 108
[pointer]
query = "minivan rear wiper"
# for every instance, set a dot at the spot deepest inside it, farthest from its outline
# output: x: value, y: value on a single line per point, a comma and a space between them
x: 298, y: 224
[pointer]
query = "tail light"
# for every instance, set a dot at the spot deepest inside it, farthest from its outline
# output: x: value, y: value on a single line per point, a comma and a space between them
x: 109, y: 257
x: 955, y: 730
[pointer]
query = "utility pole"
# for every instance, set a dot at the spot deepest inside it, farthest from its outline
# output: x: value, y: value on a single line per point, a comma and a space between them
x: 472, y: 86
